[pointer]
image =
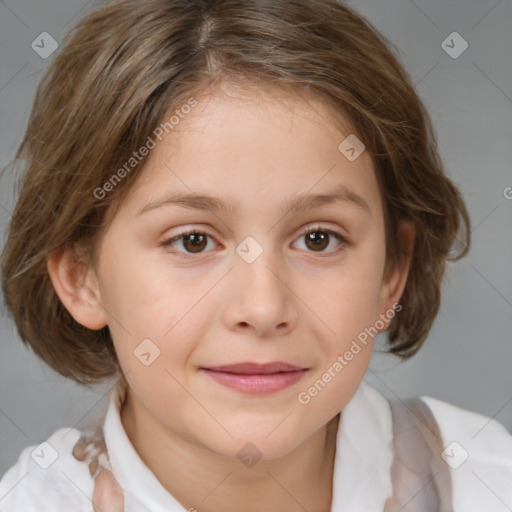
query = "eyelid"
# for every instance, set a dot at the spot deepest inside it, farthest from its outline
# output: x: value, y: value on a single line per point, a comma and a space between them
x: 319, y: 227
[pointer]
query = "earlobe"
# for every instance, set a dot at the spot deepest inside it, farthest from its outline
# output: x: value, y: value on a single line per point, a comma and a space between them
x: 76, y: 285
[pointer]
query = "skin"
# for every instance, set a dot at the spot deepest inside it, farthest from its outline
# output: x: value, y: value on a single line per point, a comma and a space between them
x: 298, y: 303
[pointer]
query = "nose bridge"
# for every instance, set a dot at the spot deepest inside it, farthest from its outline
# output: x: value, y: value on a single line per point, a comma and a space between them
x: 260, y: 297
x: 257, y: 266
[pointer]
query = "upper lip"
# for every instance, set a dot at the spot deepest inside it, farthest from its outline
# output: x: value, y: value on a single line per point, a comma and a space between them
x: 255, y: 368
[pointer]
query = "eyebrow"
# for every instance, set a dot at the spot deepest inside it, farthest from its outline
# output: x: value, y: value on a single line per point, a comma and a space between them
x: 297, y: 203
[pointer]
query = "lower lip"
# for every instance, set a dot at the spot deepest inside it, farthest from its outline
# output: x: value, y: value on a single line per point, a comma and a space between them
x: 256, y: 384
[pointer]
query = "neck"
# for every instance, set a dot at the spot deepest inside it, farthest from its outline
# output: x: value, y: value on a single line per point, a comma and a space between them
x: 200, y: 478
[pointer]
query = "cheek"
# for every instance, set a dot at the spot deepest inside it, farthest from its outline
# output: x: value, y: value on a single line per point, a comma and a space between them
x: 154, y: 311
x: 135, y: 293
x: 349, y: 309
x: 348, y: 318
x: 351, y: 298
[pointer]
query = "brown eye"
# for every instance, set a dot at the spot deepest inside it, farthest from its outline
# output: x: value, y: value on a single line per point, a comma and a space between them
x: 318, y: 240
x: 192, y: 242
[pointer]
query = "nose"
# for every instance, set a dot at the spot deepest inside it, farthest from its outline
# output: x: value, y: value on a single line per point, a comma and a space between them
x: 261, y: 298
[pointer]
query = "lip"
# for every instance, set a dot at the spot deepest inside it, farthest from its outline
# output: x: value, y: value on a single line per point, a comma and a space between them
x: 254, y: 378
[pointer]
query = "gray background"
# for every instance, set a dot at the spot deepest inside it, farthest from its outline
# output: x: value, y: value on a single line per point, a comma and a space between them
x: 468, y: 355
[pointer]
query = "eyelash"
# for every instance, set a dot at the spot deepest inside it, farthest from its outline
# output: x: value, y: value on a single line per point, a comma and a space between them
x: 343, y: 242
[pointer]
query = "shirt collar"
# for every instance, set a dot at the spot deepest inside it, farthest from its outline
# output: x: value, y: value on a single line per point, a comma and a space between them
x: 142, y: 490
x: 364, y: 453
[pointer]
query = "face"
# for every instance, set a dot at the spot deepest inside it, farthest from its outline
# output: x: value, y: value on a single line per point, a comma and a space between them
x: 246, y: 330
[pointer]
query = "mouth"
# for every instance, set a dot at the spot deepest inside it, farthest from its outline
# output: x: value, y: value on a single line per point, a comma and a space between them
x: 254, y: 378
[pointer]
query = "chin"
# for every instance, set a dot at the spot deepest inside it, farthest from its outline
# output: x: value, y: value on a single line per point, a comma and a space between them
x: 264, y: 443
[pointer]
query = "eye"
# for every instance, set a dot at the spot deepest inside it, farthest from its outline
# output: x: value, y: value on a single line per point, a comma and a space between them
x: 317, y: 239
x: 193, y: 241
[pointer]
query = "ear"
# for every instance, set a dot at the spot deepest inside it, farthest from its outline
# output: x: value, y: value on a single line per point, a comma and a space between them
x: 395, y: 278
x: 75, y: 282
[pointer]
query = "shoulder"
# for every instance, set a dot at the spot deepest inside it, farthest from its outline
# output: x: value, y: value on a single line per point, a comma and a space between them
x: 48, y: 470
x: 480, y: 437
x: 478, y: 452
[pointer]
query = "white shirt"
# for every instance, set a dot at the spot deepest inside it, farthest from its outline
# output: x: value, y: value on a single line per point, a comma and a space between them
x: 477, y: 449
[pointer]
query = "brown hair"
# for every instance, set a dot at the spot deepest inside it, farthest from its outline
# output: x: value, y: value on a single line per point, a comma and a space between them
x: 121, y: 70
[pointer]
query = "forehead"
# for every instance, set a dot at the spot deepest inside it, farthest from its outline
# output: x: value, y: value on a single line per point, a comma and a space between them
x: 253, y: 144
x: 251, y: 107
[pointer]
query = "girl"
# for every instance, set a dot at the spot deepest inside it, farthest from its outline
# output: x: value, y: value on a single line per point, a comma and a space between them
x: 224, y: 203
